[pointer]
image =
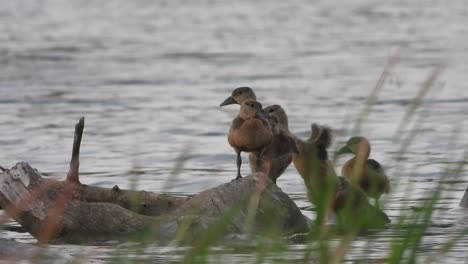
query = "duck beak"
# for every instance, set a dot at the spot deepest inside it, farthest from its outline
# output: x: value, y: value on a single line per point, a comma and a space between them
x: 344, y: 150
x: 228, y: 101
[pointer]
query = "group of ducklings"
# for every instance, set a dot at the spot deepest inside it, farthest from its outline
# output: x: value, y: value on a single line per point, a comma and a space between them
x: 264, y: 133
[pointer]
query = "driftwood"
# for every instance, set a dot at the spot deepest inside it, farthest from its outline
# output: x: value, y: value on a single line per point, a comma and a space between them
x: 70, y: 211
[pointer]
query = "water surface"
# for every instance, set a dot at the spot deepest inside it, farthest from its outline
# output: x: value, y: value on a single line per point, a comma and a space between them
x: 149, y: 78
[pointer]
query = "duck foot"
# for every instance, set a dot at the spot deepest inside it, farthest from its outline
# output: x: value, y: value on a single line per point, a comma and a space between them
x: 237, y: 178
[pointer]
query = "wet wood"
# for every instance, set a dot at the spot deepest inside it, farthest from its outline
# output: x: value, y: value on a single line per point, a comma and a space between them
x: 50, y: 209
x: 70, y: 211
x: 73, y: 173
x: 62, y: 211
x: 256, y: 203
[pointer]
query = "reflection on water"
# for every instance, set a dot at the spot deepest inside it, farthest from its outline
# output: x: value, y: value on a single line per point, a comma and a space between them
x: 149, y: 79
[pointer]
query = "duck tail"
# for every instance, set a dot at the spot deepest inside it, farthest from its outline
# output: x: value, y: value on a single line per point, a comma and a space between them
x: 315, y: 131
x: 321, y: 135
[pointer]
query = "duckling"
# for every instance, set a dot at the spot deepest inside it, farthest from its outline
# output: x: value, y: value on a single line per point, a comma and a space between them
x: 366, y: 173
x: 240, y: 95
x: 277, y: 112
x: 250, y: 131
x: 278, y: 156
x: 316, y: 170
x: 332, y: 194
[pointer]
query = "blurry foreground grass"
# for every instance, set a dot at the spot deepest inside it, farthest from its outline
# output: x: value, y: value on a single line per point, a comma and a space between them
x: 327, y: 243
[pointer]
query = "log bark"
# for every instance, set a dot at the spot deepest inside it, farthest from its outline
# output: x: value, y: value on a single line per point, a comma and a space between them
x: 50, y: 209
x: 258, y: 205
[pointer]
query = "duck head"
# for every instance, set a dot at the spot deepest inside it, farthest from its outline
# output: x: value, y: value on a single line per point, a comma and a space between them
x: 355, y: 145
x: 239, y: 96
x: 277, y: 112
x: 252, y: 109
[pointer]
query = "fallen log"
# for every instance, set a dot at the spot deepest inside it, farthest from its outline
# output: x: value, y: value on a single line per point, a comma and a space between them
x: 70, y: 211
x: 257, y: 206
x: 43, y: 208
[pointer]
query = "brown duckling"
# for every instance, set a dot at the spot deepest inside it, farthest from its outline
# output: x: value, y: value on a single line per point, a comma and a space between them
x: 329, y: 192
x: 278, y: 156
x: 366, y: 173
x: 240, y: 95
x: 317, y: 170
x: 250, y: 131
x: 277, y: 112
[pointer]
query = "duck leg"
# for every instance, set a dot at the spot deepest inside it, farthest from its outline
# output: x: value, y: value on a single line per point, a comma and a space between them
x: 263, y: 165
x: 239, y: 163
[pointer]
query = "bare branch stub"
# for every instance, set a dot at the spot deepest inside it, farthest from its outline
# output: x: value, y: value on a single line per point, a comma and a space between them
x: 73, y: 172
x: 464, y: 200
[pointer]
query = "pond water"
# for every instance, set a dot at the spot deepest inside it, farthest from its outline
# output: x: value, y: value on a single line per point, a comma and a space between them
x: 149, y: 78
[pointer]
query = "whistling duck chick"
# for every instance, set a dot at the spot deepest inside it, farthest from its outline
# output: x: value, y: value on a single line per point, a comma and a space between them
x: 347, y: 202
x: 277, y: 112
x: 240, y: 95
x: 362, y: 171
x: 278, y: 156
x: 312, y: 161
x: 250, y: 131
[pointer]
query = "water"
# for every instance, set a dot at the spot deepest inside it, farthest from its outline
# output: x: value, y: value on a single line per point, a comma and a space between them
x: 149, y: 78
